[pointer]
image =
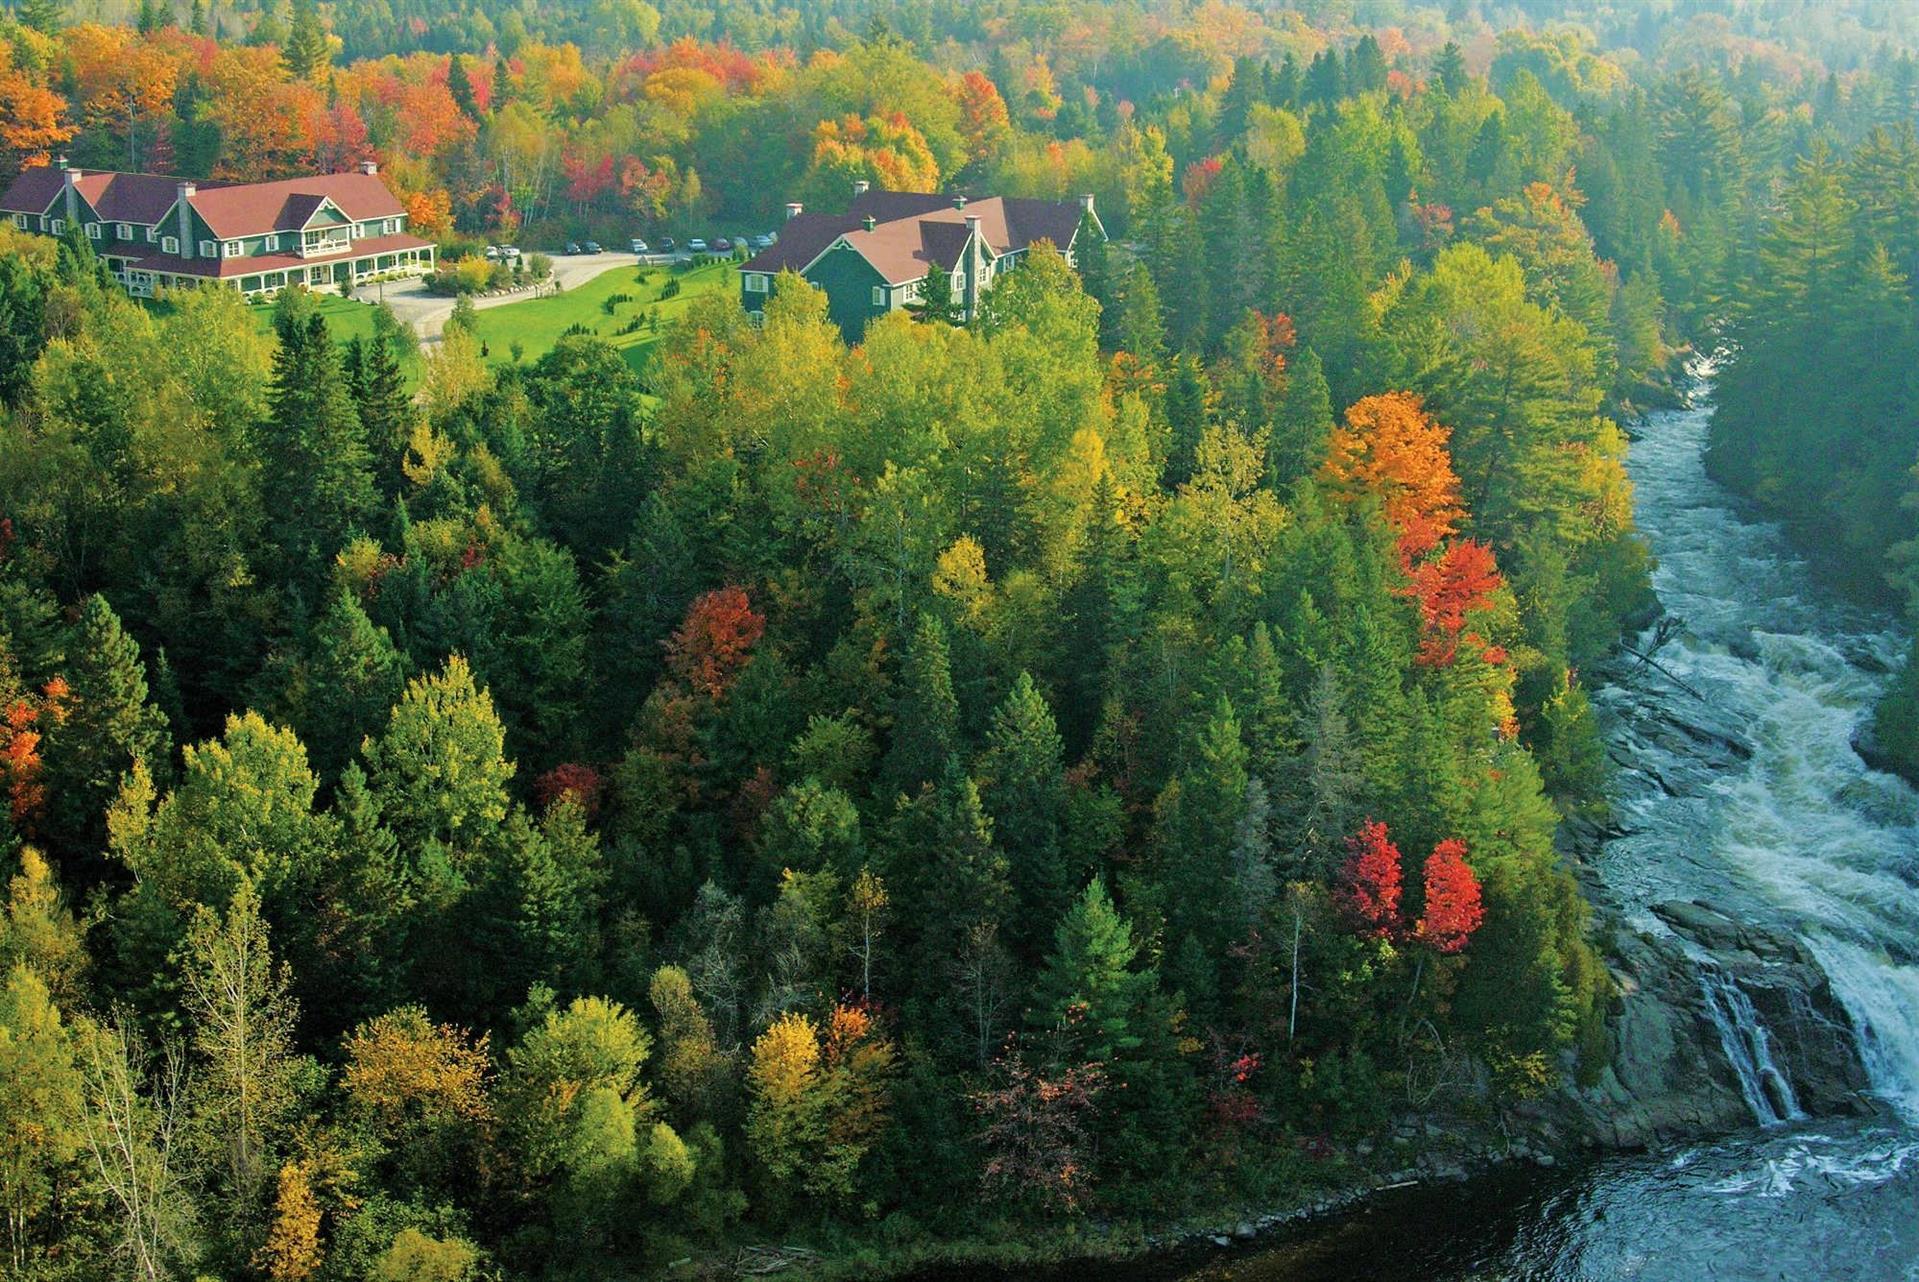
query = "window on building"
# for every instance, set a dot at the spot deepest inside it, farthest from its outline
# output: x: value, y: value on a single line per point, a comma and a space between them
x: 879, y: 295
x: 20, y: 221
x: 232, y: 249
x: 170, y: 244
x: 57, y: 226
x: 93, y: 231
x: 755, y: 283
x: 153, y: 234
x: 122, y: 232
x: 209, y: 249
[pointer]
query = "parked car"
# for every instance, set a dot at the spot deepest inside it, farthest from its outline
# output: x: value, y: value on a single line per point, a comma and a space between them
x: 572, y: 248
x: 492, y: 253
x: 509, y: 253
x: 761, y: 242
x: 639, y: 246
x: 592, y: 247
x: 668, y: 245
x: 721, y: 245
x: 696, y: 246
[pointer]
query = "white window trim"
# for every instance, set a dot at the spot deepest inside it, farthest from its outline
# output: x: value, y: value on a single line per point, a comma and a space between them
x: 209, y: 249
x: 94, y: 231
x: 756, y: 282
x: 879, y: 295
x: 231, y: 249
x: 169, y: 244
x: 153, y: 234
x: 123, y: 231
x: 57, y: 226
x: 20, y: 221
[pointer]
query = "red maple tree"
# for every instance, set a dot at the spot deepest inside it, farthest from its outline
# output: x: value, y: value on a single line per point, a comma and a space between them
x: 715, y: 641
x: 1369, y: 882
x: 1453, y: 907
x: 1448, y: 587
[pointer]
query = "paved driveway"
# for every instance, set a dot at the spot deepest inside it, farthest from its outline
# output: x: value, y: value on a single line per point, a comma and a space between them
x: 427, y: 313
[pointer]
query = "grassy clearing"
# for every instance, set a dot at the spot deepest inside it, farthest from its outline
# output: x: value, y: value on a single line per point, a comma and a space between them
x: 538, y: 323
x: 346, y: 319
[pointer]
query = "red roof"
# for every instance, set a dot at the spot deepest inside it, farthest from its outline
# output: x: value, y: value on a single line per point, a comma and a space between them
x: 913, y: 232
x: 227, y: 268
x: 253, y: 209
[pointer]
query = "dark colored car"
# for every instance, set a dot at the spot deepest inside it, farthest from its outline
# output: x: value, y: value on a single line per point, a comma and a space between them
x: 721, y: 245
x: 572, y: 248
x: 592, y: 246
x: 668, y: 245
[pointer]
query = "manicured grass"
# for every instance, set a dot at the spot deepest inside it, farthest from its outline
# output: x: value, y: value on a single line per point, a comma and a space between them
x: 538, y: 323
x: 346, y: 319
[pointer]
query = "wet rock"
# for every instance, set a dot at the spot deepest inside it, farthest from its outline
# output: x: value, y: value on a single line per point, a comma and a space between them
x: 1220, y: 1239
x: 1245, y: 1231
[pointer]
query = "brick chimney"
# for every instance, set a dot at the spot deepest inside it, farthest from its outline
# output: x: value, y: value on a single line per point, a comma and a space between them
x: 372, y: 167
x: 183, y: 195
x: 794, y: 209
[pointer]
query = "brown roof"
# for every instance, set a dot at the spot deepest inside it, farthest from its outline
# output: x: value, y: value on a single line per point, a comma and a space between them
x: 915, y: 231
x: 129, y: 198
x: 226, y: 268
x: 33, y: 190
x: 251, y: 209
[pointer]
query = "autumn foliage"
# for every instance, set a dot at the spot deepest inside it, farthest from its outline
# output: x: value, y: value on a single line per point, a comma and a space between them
x: 1453, y: 907
x: 1369, y: 882
x: 715, y: 641
x: 1391, y: 448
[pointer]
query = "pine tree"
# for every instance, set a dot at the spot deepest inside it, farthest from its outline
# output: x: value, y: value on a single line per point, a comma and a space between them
x: 1093, y: 258
x: 197, y: 19
x: 926, y: 713
x: 1449, y: 69
x: 386, y: 410
x: 1137, y: 325
x: 44, y: 16
x: 1022, y: 784
x: 1189, y: 403
x: 460, y: 85
x: 316, y: 475
x: 937, y: 304
x: 1302, y: 423
x: 351, y: 678
x: 1089, y: 1003
x: 109, y: 726
x: 306, y: 51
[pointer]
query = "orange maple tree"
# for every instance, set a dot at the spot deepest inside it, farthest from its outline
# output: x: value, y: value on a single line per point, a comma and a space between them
x: 715, y: 641
x: 1390, y: 447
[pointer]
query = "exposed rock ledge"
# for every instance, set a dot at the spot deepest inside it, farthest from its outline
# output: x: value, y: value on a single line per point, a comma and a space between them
x: 1670, y: 1077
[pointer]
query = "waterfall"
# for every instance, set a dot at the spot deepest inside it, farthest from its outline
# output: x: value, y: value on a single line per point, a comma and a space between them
x: 1748, y: 1047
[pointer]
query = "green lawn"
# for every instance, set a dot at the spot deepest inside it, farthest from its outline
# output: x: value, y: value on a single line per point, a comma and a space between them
x: 346, y: 319
x: 537, y: 324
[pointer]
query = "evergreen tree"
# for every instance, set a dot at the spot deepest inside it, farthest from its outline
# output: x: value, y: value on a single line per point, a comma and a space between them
x: 1189, y: 402
x: 1022, y: 784
x: 926, y: 712
x: 1449, y: 69
x: 316, y: 474
x: 44, y: 16
x: 1302, y: 424
x: 460, y: 85
x: 1090, y: 1002
x: 307, y: 51
x: 352, y: 676
x: 937, y: 304
x: 1136, y: 323
x: 109, y: 727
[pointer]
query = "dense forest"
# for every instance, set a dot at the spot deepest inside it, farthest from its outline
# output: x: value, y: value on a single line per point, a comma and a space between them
x: 552, y: 820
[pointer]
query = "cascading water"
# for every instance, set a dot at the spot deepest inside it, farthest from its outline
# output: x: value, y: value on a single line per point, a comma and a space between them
x: 1737, y: 786
x: 1748, y: 1046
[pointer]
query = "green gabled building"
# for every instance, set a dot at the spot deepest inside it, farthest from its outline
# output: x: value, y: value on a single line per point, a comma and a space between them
x: 875, y: 257
x: 166, y: 233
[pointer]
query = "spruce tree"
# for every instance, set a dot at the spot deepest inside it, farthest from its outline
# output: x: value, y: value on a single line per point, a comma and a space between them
x: 109, y: 726
x: 306, y: 53
x: 1023, y: 786
x: 352, y: 677
x: 926, y: 713
x: 937, y: 303
x: 1302, y: 424
x: 315, y: 474
x: 1089, y: 1002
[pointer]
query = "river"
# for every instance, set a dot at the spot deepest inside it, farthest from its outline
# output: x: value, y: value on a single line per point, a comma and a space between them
x: 1794, y: 832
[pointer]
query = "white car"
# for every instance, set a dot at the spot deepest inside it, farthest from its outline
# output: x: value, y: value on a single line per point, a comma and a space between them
x: 696, y: 246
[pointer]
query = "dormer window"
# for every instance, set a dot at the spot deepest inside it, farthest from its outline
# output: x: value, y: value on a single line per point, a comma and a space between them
x: 93, y: 231
x: 57, y: 226
x: 232, y: 249
x: 169, y: 244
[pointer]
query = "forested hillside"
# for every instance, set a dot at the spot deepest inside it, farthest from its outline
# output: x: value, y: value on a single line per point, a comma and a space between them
x: 553, y: 821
